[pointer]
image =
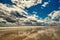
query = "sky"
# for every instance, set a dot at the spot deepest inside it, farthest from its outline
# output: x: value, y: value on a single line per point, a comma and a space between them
x: 45, y: 11
x: 42, y: 11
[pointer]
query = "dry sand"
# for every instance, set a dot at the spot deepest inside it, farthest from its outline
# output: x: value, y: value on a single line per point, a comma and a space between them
x: 30, y: 33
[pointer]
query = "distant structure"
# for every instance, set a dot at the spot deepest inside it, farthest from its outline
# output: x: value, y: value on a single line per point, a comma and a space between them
x: 26, y: 3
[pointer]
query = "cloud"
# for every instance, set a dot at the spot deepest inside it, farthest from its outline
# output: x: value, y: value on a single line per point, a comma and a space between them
x: 53, y: 17
x: 45, y: 3
x: 24, y: 3
x: 14, y: 14
x: 11, y: 12
x: 55, y: 14
x: 10, y: 8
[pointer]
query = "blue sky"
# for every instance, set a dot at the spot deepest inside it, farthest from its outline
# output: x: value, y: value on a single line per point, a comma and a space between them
x: 50, y: 7
x: 53, y: 5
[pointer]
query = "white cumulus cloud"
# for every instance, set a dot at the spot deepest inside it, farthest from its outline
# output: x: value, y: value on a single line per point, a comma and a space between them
x: 55, y: 14
x: 25, y: 19
x: 45, y: 3
x: 26, y: 3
